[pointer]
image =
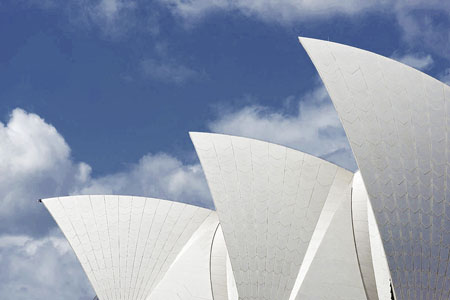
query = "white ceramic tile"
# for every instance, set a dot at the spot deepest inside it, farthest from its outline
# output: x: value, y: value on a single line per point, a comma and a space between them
x: 126, y: 244
x: 396, y: 119
x: 268, y: 199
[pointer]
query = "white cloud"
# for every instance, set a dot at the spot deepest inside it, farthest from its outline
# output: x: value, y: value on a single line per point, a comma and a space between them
x: 288, y: 11
x: 168, y: 71
x: 314, y: 127
x: 28, y: 144
x: 422, y: 22
x: 159, y: 175
x: 109, y: 8
x: 413, y: 17
x: 420, y: 29
x: 40, y: 268
x: 166, y: 68
x: 36, y: 163
x: 36, y: 262
x: 113, y: 18
x: 418, y: 61
x: 284, y: 11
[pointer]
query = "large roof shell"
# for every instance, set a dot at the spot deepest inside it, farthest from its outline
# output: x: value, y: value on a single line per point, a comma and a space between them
x: 360, y: 216
x: 189, y: 276
x: 145, y: 248
x: 334, y: 272
x: 396, y: 119
x: 126, y: 244
x: 268, y: 199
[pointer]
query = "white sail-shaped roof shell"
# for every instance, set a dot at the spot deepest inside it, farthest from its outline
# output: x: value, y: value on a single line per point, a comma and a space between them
x: 189, y: 276
x: 380, y: 265
x: 334, y: 272
x: 344, y: 248
x: 145, y: 248
x: 360, y: 217
x: 218, y: 265
x: 127, y: 244
x: 200, y: 271
x: 339, y: 192
x: 396, y: 119
x: 268, y: 199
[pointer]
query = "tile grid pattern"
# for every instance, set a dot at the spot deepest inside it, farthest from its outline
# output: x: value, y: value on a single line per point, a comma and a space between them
x: 334, y: 273
x: 380, y: 264
x: 218, y: 266
x: 188, y: 277
x: 397, y: 121
x: 268, y: 199
x: 362, y: 236
x: 125, y: 244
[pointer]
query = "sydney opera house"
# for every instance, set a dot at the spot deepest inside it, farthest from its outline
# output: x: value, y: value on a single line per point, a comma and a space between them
x: 288, y: 225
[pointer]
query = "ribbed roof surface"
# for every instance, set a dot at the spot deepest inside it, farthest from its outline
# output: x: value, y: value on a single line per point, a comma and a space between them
x: 125, y: 244
x: 268, y: 199
x: 397, y: 121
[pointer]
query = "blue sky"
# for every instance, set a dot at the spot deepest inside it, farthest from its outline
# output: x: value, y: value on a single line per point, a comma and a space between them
x: 99, y: 97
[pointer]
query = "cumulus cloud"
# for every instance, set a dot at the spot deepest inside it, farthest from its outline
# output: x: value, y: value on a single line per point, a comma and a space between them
x: 36, y: 163
x: 40, y: 268
x: 314, y: 127
x: 36, y: 261
x: 156, y: 175
x: 418, y: 61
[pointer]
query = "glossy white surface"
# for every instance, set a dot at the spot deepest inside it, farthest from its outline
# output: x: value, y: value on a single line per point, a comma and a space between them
x: 218, y: 266
x: 231, y: 282
x: 188, y: 277
x: 361, y: 232
x: 396, y: 119
x: 125, y: 244
x: 380, y: 266
x: 268, y: 199
x: 334, y: 271
x: 337, y: 194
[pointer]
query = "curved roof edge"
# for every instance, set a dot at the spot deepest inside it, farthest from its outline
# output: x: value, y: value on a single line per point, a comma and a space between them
x: 304, y: 40
x: 94, y: 225
x: 395, y: 119
x: 257, y: 184
x: 123, y: 195
x: 191, y: 133
x: 361, y: 233
x: 189, y: 276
